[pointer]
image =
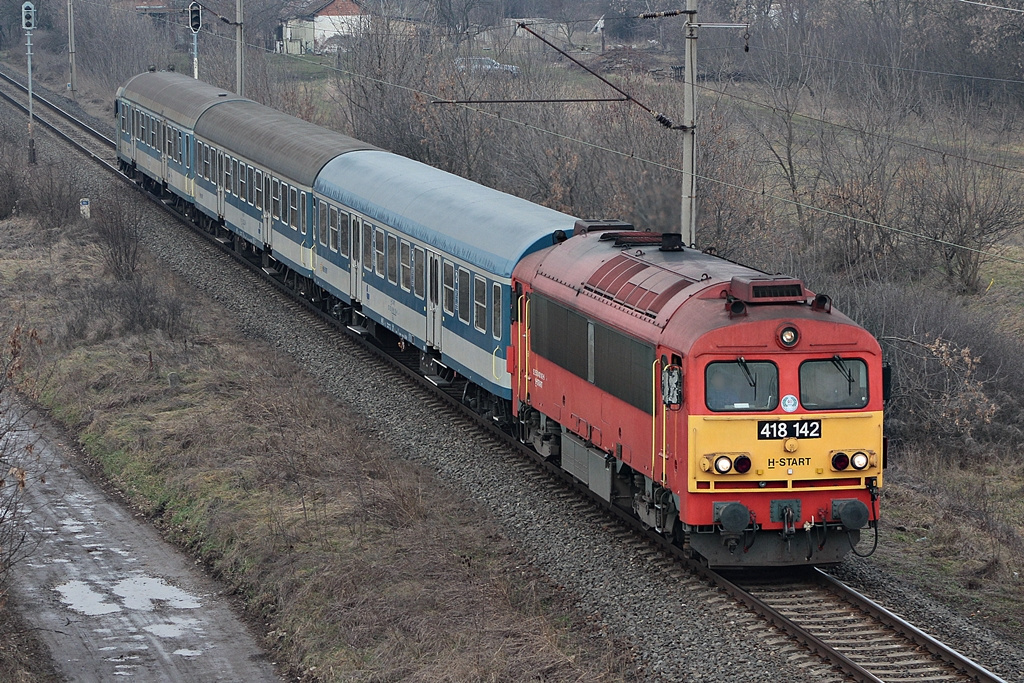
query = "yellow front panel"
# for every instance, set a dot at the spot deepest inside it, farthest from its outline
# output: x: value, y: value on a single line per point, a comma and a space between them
x: 783, y: 460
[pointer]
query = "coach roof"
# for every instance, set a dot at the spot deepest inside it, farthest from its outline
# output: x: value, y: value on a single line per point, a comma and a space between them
x: 293, y: 148
x: 178, y: 97
x: 489, y: 229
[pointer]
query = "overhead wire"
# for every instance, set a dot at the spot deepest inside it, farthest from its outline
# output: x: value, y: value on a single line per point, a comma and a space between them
x: 652, y: 162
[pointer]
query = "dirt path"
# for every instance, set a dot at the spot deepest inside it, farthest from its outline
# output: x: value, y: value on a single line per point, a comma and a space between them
x: 111, y: 599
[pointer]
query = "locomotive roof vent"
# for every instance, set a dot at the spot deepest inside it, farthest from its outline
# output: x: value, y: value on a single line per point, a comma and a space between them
x: 633, y: 239
x: 767, y: 289
x: 582, y: 227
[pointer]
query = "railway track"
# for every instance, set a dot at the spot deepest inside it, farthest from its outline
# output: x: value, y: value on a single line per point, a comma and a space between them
x: 859, y: 638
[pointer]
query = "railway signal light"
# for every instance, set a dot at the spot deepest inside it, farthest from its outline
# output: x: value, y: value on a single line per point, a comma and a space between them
x: 28, y: 16
x: 195, y: 17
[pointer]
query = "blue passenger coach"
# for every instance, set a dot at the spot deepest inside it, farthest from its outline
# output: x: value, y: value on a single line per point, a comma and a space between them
x: 437, y: 256
x: 370, y: 235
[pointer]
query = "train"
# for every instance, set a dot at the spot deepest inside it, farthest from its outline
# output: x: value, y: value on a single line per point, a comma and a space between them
x: 736, y: 412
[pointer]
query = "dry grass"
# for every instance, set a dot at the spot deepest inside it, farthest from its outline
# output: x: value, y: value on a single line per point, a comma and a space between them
x: 353, y: 564
x: 956, y: 533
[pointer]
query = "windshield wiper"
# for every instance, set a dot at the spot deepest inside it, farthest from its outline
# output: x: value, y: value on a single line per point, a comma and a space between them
x: 844, y: 371
x: 751, y: 380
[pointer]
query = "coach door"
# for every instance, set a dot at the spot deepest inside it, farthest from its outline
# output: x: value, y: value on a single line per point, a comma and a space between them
x: 354, y: 266
x: 434, y: 315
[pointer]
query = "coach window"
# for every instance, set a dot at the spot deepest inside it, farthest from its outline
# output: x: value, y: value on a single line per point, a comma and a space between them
x: 259, y: 189
x: 835, y: 383
x: 343, y: 233
x: 449, y: 288
x: 496, y: 310
x: 420, y: 271
x: 251, y: 195
x: 303, y: 220
x: 275, y: 198
x: 355, y: 238
x: 154, y: 141
x: 406, y: 266
x: 332, y: 226
x: 220, y: 167
x: 367, y: 246
x: 741, y: 385
x: 464, y: 295
x: 241, y: 181
x: 392, y: 259
x: 266, y: 192
x: 293, y: 208
x: 378, y: 249
x: 233, y: 187
x: 181, y: 148
x: 479, y: 303
x: 322, y: 220
x: 207, y: 162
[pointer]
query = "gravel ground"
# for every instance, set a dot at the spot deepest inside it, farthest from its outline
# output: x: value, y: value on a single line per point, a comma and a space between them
x: 679, y: 628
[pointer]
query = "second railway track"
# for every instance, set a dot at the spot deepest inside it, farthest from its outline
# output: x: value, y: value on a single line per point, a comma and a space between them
x: 858, y: 639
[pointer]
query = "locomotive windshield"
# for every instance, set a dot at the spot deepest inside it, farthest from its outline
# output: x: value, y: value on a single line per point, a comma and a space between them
x: 834, y: 383
x: 741, y: 385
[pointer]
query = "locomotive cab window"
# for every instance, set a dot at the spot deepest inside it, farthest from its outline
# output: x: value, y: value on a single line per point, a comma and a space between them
x: 741, y: 385
x: 834, y: 384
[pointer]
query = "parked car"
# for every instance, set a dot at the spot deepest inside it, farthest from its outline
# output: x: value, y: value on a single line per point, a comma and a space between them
x: 485, y: 65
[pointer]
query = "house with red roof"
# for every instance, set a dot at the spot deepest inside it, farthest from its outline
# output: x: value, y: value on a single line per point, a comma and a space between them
x: 312, y: 26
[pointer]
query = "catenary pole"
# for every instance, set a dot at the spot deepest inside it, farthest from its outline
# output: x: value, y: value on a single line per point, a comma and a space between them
x: 239, y: 51
x: 688, y: 222
x: 71, y: 48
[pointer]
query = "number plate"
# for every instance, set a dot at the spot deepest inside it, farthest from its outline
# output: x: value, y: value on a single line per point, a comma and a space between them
x: 788, y: 429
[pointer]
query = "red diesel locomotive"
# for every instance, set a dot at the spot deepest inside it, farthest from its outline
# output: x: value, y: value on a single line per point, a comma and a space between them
x: 735, y: 411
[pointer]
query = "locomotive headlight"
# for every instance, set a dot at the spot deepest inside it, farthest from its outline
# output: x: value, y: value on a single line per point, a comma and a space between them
x: 840, y: 461
x: 788, y: 336
x: 723, y: 464
x: 859, y: 460
x: 742, y: 464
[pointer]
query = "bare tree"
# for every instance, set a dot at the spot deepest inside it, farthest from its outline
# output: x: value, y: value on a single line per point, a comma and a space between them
x: 119, y: 222
x: 22, y: 464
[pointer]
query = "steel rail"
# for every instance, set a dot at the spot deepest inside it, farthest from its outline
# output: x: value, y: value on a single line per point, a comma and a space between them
x: 945, y: 653
x: 57, y: 109
x: 392, y: 359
